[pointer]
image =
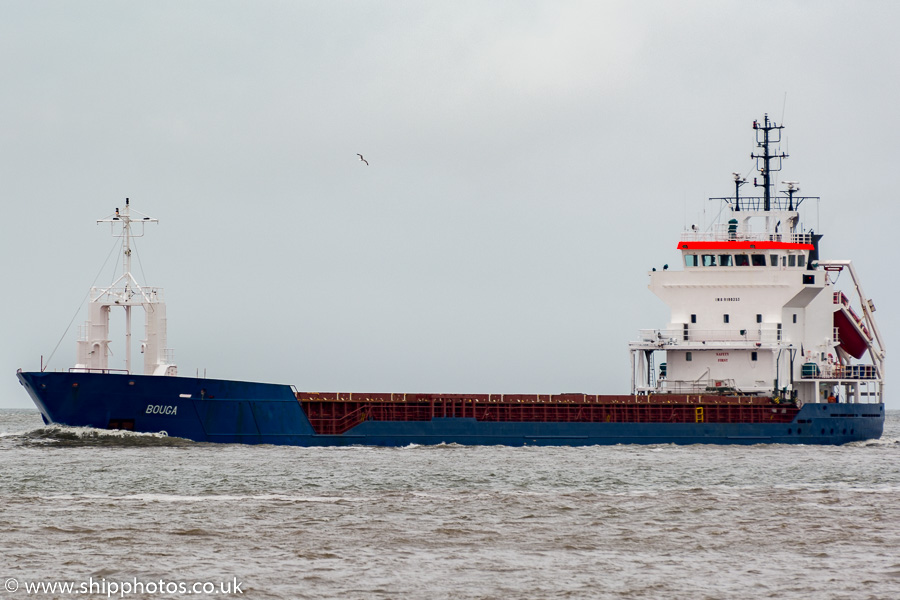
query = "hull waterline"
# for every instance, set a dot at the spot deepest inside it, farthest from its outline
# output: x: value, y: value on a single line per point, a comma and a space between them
x: 212, y: 410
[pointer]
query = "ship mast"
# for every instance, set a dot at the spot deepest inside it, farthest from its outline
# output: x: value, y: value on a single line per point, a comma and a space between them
x: 130, y: 286
x: 771, y: 134
x: 126, y: 292
x: 775, y: 210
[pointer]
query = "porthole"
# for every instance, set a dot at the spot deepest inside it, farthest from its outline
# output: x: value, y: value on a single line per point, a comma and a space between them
x: 790, y: 431
x: 799, y: 431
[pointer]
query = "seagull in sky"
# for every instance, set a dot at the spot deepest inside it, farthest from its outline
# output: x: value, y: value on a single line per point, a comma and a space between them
x: 362, y: 159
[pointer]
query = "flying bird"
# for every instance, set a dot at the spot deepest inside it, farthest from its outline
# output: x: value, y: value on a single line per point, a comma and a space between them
x: 362, y: 159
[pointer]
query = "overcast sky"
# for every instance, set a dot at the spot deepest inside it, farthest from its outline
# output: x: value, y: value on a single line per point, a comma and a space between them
x: 529, y: 162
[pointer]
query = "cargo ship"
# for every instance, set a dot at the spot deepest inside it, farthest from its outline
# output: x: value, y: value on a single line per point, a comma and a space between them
x: 761, y: 347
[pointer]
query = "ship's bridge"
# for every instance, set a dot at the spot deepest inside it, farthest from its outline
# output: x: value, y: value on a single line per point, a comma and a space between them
x: 737, y: 244
x: 781, y: 255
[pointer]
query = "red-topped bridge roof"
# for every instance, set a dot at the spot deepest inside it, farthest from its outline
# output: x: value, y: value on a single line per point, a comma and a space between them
x: 742, y: 245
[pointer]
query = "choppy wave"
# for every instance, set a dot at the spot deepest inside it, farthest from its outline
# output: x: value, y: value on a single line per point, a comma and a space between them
x: 882, y: 441
x: 179, y: 498
x: 423, y: 522
x: 62, y: 435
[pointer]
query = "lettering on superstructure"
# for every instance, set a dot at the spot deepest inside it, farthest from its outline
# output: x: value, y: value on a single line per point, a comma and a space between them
x: 722, y: 356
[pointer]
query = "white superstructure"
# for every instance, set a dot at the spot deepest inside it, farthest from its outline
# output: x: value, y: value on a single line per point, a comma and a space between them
x: 755, y: 311
x: 125, y: 292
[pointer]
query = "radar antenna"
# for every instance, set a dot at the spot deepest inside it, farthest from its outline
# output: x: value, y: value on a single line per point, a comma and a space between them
x: 771, y: 134
x: 738, y: 182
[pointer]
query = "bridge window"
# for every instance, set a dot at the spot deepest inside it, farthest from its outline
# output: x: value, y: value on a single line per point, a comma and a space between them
x: 690, y: 260
x: 801, y: 260
x: 773, y: 260
x: 792, y: 260
x: 725, y: 260
x: 742, y: 260
x: 709, y: 260
x: 759, y: 260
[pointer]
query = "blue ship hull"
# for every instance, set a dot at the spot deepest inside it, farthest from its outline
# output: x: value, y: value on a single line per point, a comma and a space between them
x: 212, y: 410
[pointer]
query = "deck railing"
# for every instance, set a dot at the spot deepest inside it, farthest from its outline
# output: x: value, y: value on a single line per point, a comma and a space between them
x: 91, y: 370
x: 842, y: 372
x: 677, y: 386
x: 770, y: 333
x: 721, y: 233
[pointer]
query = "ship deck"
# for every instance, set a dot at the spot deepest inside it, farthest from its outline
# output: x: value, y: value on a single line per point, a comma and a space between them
x: 336, y: 413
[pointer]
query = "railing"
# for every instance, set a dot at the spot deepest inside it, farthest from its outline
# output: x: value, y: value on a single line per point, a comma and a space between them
x: 758, y: 203
x: 676, y: 386
x: 342, y: 424
x: 721, y: 233
x: 92, y: 370
x: 675, y: 336
x: 842, y: 372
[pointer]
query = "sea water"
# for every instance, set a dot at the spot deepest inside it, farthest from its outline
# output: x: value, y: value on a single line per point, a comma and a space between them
x: 114, y: 514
